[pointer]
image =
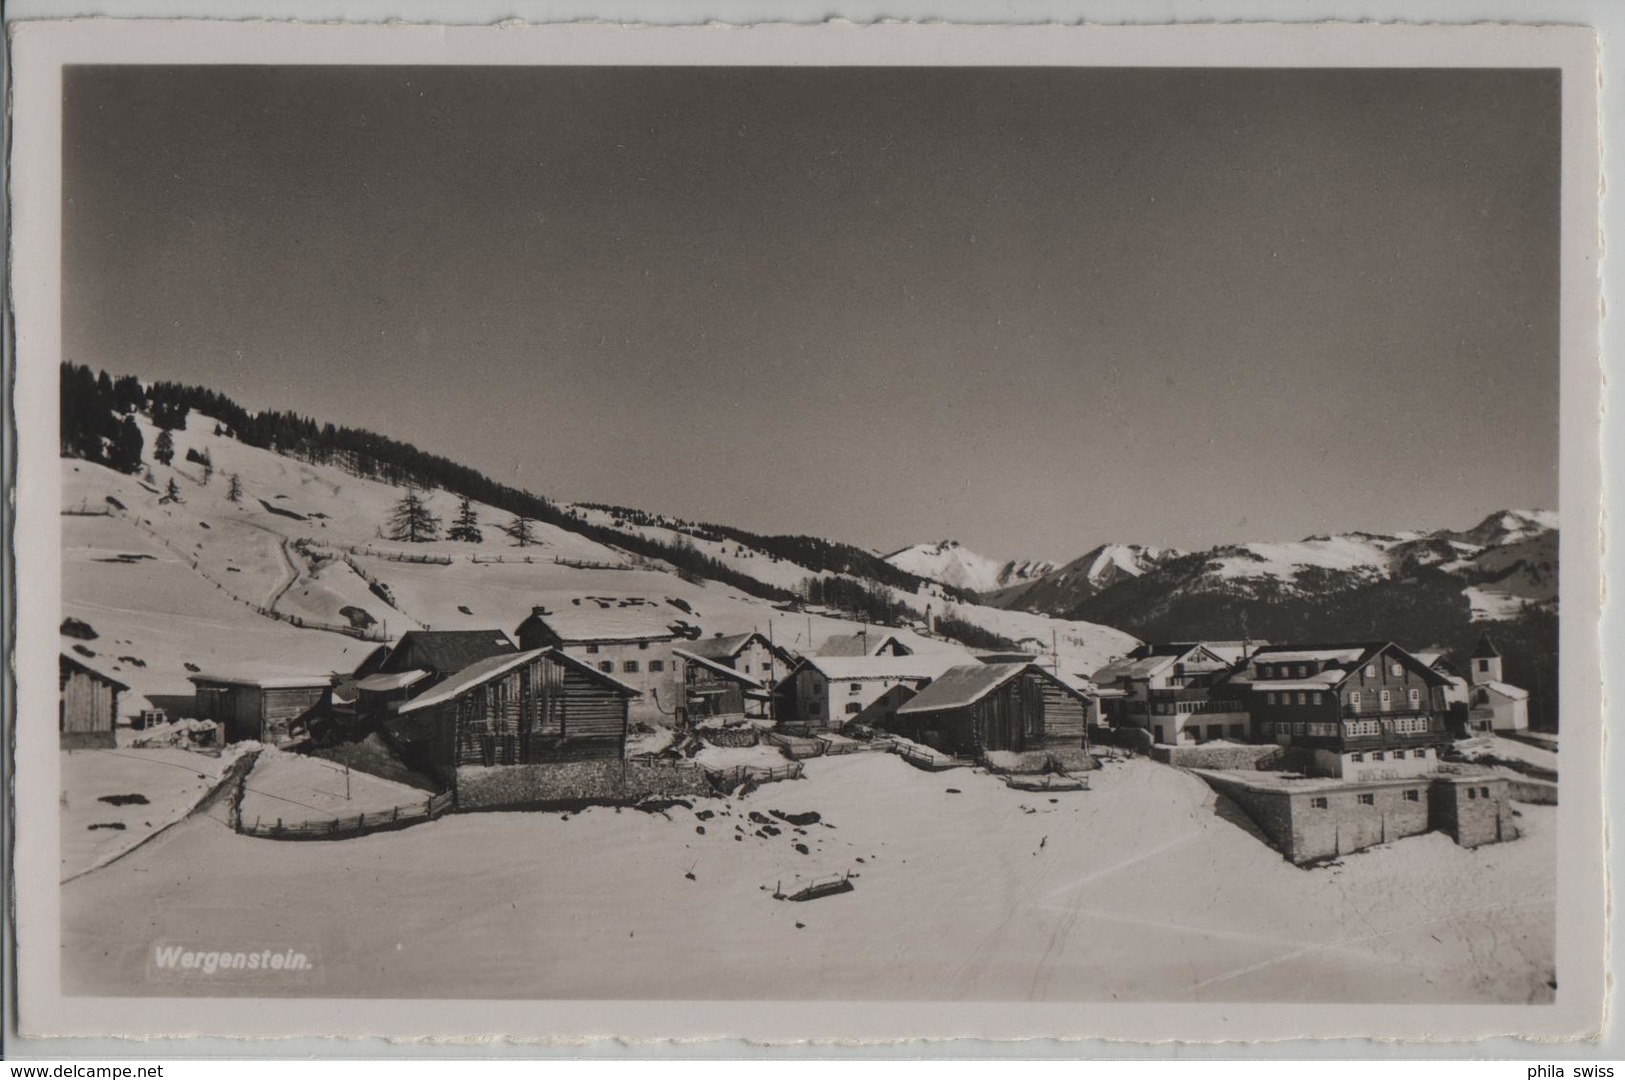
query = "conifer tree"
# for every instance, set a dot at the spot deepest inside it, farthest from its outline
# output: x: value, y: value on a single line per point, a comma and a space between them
x: 465, y: 529
x: 520, y: 530
x: 235, y: 491
x: 412, y: 520
x: 173, y: 492
x: 163, y: 451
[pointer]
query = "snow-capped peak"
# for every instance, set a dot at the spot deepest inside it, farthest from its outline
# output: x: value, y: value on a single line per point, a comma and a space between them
x: 951, y: 563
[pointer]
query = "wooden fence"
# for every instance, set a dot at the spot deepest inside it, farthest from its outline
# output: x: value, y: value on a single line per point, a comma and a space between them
x: 734, y: 775
x: 341, y: 828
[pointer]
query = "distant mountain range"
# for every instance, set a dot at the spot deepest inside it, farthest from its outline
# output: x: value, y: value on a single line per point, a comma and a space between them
x: 1503, y: 565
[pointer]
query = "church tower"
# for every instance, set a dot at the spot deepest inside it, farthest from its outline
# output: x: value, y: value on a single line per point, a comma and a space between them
x: 1485, y: 663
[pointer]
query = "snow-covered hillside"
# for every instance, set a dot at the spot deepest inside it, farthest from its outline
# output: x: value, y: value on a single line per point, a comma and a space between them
x: 295, y: 575
x: 951, y: 563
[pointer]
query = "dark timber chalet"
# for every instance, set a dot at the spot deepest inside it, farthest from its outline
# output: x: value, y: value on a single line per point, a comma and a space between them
x: 524, y: 708
x: 982, y: 707
x: 88, y: 711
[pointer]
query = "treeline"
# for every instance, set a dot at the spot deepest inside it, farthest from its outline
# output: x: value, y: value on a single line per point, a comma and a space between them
x: 86, y: 404
x: 98, y: 418
x: 855, y: 598
x: 828, y: 557
x: 968, y: 633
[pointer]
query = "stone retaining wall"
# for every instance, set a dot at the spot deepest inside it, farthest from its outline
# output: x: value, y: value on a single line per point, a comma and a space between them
x: 573, y: 782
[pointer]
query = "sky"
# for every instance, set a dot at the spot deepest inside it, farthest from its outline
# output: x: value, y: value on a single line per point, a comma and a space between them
x: 1033, y: 309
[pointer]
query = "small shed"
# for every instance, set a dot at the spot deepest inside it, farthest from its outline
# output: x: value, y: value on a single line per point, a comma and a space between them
x: 442, y: 653
x: 88, y: 711
x: 272, y: 709
x: 981, y: 707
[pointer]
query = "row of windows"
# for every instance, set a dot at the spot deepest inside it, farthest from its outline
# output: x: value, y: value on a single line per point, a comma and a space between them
x: 1398, y: 755
x: 1473, y: 793
x: 594, y: 649
x: 1303, y: 671
x: 1321, y: 802
x: 630, y: 667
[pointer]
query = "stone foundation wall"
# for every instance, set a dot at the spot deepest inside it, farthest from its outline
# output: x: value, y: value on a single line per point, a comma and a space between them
x: 572, y: 782
x: 1213, y: 757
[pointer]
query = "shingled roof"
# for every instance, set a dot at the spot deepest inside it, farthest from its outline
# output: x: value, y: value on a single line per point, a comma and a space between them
x: 447, y: 651
x: 961, y: 687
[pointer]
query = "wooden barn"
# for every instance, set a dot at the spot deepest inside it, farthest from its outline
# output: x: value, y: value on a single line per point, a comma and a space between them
x: 982, y: 707
x: 532, y: 707
x: 274, y: 709
x: 88, y: 711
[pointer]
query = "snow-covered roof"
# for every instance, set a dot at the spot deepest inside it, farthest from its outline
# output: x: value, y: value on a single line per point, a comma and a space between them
x: 1507, y: 690
x: 607, y: 618
x: 75, y: 662
x: 493, y: 667
x: 264, y: 682
x: 719, y: 647
x: 965, y: 685
x: 720, y: 669
x: 915, y: 666
x: 400, y: 680
x: 857, y: 644
x: 1344, y: 654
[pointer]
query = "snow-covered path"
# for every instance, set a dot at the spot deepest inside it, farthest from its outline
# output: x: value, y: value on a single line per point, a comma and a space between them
x: 964, y: 890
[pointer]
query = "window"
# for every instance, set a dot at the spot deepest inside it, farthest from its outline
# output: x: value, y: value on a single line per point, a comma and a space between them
x: 657, y: 665
x: 1354, y: 698
x: 1303, y: 671
x: 1368, y: 799
x: 747, y: 669
x: 1379, y: 756
x: 853, y: 708
x: 1413, y: 795
x: 857, y: 688
x: 1270, y: 697
x: 1416, y: 697
x: 1303, y: 698
x: 1384, y: 698
x: 1396, y: 670
x: 1371, y: 671
x: 1319, y: 802
x: 1472, y: 793
x: 643, y: 644
x: 1483, y: 665
x: 1315, y: 697
x: 1359, y: 758
x: 1484, y: 791
x: 630, y: 667
x: 592, y: 649
x: 1267, y: 730
x: 606, y: 666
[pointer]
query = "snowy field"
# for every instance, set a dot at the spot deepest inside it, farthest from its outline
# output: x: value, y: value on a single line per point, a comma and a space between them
x: 299, y: 788
x: 112, y: 800
x: 1142, y: 889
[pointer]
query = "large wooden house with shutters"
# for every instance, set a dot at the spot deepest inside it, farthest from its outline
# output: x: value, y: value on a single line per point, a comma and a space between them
x: 629, y: 638
x: 976, y: 708
x: 1361, y: 711
x: 1175, y: 691
x: 539, y: 706
x: 89, y: 705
